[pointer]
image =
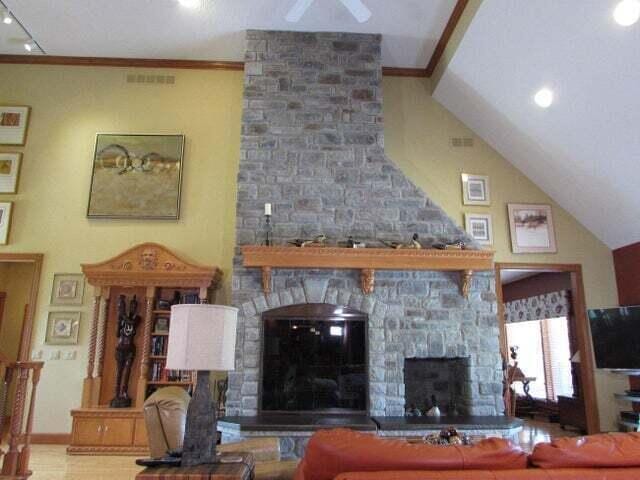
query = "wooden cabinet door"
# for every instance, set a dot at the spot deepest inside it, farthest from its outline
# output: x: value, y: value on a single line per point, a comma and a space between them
x: 140, y: 438
x: 87, y: 431
x: 117, y: 432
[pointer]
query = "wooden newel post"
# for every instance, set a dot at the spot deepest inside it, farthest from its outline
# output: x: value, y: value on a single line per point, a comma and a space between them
x: 25, y: 454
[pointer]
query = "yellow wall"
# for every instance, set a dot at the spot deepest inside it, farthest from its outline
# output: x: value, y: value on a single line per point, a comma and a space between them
x: 417, y: 138
x: 15, y: 281
x: 71, y: 104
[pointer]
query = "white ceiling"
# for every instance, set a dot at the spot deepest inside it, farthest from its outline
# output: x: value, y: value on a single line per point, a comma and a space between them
x: 165, y: 29
x: 584, y: 151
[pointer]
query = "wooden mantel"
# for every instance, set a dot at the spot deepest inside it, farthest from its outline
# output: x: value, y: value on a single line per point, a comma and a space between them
x: 367, y: 260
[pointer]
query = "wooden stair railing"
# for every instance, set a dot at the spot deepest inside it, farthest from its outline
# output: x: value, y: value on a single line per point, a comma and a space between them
x: 15, y: 460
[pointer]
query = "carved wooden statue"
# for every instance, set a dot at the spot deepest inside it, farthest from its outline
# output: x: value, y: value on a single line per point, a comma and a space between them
x: 125, y: 350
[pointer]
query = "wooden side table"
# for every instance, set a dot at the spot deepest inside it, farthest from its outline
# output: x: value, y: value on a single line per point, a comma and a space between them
x: 225, y: 470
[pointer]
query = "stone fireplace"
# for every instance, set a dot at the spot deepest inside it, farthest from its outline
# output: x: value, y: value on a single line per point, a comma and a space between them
x: 313, y: 147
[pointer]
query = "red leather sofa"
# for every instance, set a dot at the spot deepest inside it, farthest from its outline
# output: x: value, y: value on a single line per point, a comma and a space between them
x: 342, y: 454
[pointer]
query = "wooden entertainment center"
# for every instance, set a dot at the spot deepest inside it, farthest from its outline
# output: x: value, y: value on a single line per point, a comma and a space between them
x: 157, y: 277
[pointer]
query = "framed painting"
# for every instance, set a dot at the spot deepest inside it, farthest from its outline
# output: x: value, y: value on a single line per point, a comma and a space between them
x: 62, y: 328
x: 68, y: 289
x: 136, y: 176
x: 14, y: 121
x: 478, y: 225
x: 531, y: 227
x: 475, y: 190
x: 9, y: 172
x: 5, y: 221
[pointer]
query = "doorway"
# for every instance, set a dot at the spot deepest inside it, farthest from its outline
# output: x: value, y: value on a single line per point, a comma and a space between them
x: 544, y: 329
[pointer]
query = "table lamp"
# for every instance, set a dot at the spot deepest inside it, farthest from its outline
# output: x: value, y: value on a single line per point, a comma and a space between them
x: 202, y: 337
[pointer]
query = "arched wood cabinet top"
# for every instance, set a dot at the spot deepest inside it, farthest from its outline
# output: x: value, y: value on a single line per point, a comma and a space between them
x: 151, y: 265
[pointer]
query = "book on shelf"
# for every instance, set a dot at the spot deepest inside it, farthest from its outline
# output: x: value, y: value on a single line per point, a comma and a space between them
x: 158, y: 345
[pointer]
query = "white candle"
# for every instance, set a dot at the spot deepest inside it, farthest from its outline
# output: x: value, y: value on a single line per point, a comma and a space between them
x: 267, y: 209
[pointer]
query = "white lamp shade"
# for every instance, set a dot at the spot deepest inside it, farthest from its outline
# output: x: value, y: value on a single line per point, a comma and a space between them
x: 202, y: 337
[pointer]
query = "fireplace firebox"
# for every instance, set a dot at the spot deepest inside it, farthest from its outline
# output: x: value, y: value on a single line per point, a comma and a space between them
x: 314, y: 359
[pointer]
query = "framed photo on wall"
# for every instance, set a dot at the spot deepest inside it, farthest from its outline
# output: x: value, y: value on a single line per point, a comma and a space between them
x: 14, y: 121
x: 136, y: 176
x: 478, y: 225
x: 62, y: 328
x: 475, y: 190
x: 68, y: 289
x: 531, y: 227
x: 9, y: 172
x: 6, y: 210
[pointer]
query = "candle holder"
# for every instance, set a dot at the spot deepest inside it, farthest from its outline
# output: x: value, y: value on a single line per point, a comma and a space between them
x: 268, y: 230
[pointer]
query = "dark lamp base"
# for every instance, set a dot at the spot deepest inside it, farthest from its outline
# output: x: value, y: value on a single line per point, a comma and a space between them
x: 200, y: 433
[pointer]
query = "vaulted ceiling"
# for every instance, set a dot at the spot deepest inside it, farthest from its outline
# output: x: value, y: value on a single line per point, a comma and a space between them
x: 584, y: 150
x: 215, y: 29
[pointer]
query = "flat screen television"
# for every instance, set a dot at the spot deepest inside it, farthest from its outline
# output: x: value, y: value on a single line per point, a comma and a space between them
x: 616, y: 337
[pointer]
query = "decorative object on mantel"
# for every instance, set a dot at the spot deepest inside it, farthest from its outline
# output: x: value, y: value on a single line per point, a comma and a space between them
x: 203, y: 338
x: 318, y: 241
x: 459, y: 245
x: 353, y: 243
x: 367, y: 260
x: 125, y: 350
x: 412, y: 244
x: 531, y: 227
x: 268, y: 228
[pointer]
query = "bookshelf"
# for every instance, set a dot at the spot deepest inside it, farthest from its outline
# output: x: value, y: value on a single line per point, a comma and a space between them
x: 158, y: 278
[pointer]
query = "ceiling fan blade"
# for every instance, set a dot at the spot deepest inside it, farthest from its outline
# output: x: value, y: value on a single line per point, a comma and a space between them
x: 297, y: 11
x: 357, y: 9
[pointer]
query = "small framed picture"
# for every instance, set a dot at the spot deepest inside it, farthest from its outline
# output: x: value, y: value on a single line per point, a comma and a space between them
x: 478, y: 225
x: 14, y: 121
x: 9, y: 172
x: 475, y: 190
x: 161, y: 325
x: 5, y: 221
x: 62, y: 328
x: 531, y: 227
x: 68, y: 289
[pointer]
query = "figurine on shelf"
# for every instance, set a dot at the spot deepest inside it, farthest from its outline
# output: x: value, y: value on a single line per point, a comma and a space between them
x: 125, y: 350
x: 457, y: 245
x: 413, y: 411
x: 352, y: 243
x: 318, y: 241
x: 176, y: 300
x: 413, y: 244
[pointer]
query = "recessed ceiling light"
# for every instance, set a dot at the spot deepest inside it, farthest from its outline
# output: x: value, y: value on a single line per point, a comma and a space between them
x: 543, y: 97
x: 627, y: 12
x: 29, y: 46
x: 190, y: 3
x: 6, y: 18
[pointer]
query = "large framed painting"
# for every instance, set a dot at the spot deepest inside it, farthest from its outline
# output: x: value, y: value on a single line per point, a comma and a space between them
x: 531, y: 227
x: 136, y: 176
x: 14, y: 120
x: 9, y: 172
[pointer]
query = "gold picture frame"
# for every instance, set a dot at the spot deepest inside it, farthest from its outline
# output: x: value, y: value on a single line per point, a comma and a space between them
x: 62, y: 328
x: 10, y: 163
x: 14, y: 123
x: 67, y: 289
x: 136, y: 176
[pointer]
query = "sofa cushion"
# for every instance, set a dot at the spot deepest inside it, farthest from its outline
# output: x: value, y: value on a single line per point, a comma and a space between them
x: 603, y: 450
x: 331, y: 452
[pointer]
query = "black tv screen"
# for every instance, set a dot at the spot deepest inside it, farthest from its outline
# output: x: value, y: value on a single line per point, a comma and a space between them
x: 616, y: 337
